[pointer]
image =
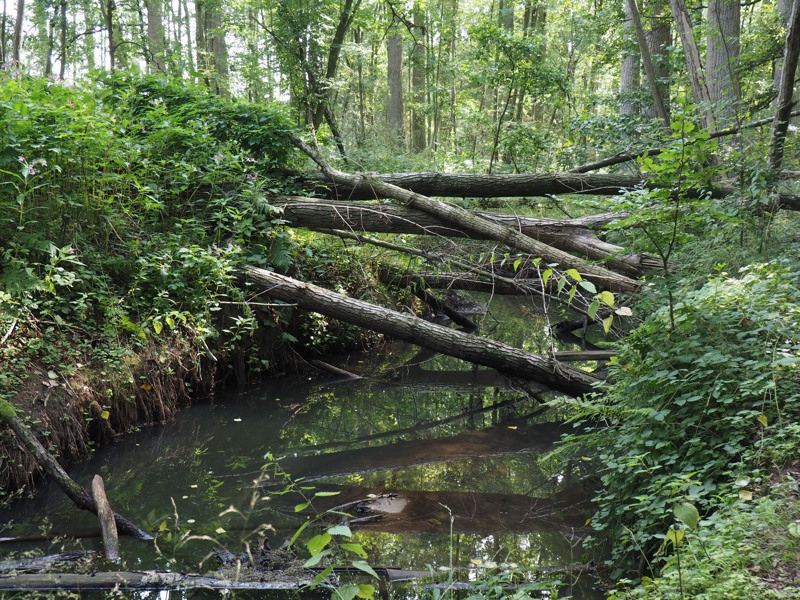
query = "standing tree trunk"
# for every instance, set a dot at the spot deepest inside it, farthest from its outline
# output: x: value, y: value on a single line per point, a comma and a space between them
x: 694, y: 66
x: 395, y: 83
x: 16, y: 47
x: 644, y: 50
x: 780, y: 125
x: 156, y: 44
x: 722, y: 58
x: 629, y: 72
x: 108, y: 8
x: 659, y: 40
x: 62, y: 39
x: 418, y: 59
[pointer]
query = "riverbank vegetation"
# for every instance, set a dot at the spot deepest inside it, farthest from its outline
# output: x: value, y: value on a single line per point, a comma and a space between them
x: 133, y: 207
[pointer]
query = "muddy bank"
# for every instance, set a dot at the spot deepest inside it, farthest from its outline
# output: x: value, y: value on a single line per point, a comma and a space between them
x: 93, y: 406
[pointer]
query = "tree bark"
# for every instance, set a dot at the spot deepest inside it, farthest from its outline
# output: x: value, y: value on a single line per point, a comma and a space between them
x: 456, y: 185
x: 75, y: 492
x: 106, y: 516
x: 155, y: 36
x: 482, y: 351
x: 570, y: 236
x: 649, y: 69
x: 480, y: 226
x: 780, y: 124
x: 694, y: 66
x: 722, y: 58
x: 659, y: 40
x: 16, y: 48
x: 395, y: 84
x: 629, y: 79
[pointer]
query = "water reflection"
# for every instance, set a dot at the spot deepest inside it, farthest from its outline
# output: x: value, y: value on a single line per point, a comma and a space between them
x: 448, y: 437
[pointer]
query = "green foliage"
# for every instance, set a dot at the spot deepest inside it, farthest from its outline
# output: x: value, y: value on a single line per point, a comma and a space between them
x: 744, y: 550
x: 6, y: 410
x: 692, y: 401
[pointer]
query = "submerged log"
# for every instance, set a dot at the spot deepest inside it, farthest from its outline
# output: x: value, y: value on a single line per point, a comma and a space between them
x: 480, y: 226
x: 482, y: 351
x: 75, y: 492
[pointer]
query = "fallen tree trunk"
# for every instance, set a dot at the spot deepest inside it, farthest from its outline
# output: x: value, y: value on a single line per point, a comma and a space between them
x: 480, y: 226
x: 482, y: 351
x: 456, y: 185
x: 75, y: 492
x: 573, y: 236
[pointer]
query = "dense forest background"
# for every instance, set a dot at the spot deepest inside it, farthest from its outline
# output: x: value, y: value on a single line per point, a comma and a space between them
x: 151, y: 154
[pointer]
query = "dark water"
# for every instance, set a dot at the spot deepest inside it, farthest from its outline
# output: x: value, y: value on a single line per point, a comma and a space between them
x: 460, y: 450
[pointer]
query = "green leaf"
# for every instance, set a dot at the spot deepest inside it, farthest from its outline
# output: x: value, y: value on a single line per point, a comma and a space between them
x: 363, y: 566
x: 686, y: 513
x: 574, y: 274
x: 546, y: 276
x: 301, y: 507
x: 171, y: 322
x: 318, y: 542
x: 355, y: 549
x: 606, y: 298
x: 326, y: 494
x: 593, y: 308
x: 675, y: 536
x: 157, y: 327
x: 340, y: 530
x: 366, y: 591
x: 298, y: 532
x: 607, y: 322
x: 588, y: 286
x: 314, y: 560
x: 347, y: 591
x: 517, y: 263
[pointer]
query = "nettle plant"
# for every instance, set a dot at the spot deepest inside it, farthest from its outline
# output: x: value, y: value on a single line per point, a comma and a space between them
x: 695, y: 391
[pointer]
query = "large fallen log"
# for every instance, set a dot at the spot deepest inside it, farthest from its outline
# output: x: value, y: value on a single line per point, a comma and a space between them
x: 572, y: 236
x: 482, y: 227
x: 482, y: 351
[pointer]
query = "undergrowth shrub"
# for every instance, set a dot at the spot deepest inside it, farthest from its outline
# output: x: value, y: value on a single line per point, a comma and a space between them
x: 689, y: 405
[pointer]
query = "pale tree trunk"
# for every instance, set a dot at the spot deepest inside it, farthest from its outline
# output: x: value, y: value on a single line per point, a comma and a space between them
x: 418, y: 58
x: 156, y: 44
x: 16, y: 47
x: 62, y: 24
x: 3, y: 23
x: 217, y: 49
x: 722, y: 58
x: 659, y: 40
x: 395, y: 84
x: 108, y: 8
x: 784, y: 14
x: 629, y: 72
x: 644, y: 50
x: 694, y: 66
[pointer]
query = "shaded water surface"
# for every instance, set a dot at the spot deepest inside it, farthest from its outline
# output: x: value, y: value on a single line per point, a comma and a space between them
x: 430, y: 461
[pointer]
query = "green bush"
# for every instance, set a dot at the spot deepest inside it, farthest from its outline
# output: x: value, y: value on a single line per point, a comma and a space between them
x: 691, y: 403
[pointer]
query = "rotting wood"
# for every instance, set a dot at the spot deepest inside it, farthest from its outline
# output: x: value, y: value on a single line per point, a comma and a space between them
x: 480, y: 226
x: 106, y: 516
x: 75, y: 492
x: 512, y: 361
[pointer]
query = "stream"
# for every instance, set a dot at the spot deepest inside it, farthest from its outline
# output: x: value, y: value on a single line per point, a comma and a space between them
x: 430, y: 462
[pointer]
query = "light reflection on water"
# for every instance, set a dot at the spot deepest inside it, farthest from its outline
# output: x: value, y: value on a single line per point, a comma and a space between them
x: 195, y: 476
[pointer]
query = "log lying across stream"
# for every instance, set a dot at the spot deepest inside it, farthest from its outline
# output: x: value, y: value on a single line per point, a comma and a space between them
x: 511, y: 361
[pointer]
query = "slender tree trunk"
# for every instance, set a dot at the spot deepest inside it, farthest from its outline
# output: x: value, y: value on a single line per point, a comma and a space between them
x: 644, y: 50
x: 108, y: 8
x: 659, y: 40
x: 418, y: 87
x: 785, y: 102
x: 395, y: 83
x: 694, y: 66
x: 62, y: 28
x: 629, y: 72
x: 16, y: 47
